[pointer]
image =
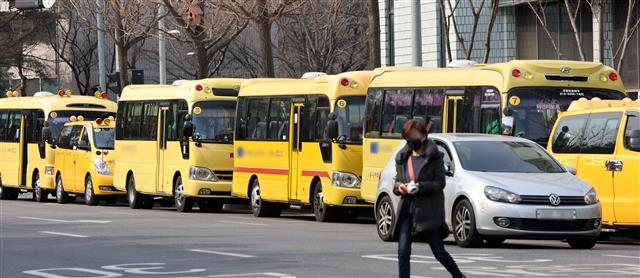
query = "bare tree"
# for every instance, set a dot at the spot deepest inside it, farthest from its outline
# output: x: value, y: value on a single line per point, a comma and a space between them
x: 263, y: 13
x: 373, y: 33
x: 492, y: 19
x: 324, y: 36
x: 448, y: 10
x: 208, y: 29
x: 631, y: 24
x: 573, y: 10
x: 538, y: 9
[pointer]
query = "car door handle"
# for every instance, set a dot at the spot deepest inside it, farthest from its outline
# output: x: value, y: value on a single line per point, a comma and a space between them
x: 613, y: 165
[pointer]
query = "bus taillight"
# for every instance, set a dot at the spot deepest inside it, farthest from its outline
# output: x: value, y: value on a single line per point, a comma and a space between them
x: 344, y: 82
x: 516, y: 73
x: 613, y: 76
x: 199, y: 87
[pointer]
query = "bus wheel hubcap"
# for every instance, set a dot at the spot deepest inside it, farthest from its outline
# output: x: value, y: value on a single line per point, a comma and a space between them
x: 255, y: 197
x: 89, y: 191
x: 179, y: 195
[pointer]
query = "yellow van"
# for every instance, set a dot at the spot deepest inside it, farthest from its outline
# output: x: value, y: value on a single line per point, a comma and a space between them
x: 84, y: 160
x: 601, y: 140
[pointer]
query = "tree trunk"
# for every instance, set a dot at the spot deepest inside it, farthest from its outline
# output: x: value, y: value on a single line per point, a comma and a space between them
x: 492, y: 21
x: 572, y: 19
x: 267, y: 50
x: 202, y: 70
x: 123, y: 68
x: 373, y: 34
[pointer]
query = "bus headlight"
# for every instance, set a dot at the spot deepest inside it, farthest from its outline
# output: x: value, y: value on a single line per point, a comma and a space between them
x: 591, y: 197
x: 101, y: 167
x: 202, y: 174
x: 343, y: 179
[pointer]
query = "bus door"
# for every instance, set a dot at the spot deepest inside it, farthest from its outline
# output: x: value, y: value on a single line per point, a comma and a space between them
x: 162, y: 149
x: 23, y: 149
x: 453, y: 112
x: 295, y: 143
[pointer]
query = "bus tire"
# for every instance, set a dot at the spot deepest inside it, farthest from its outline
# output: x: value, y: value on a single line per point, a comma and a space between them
x: 259, y: 207
x: 183, y: 203
x: 61, y: 196
x: 90, y: 197
x: 133, y: 197
x: 321, y: 211
x: 210, y: 205
x: 39, y: 195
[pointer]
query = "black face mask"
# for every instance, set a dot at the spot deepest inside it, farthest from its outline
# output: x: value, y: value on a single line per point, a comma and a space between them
x: 415, y: 144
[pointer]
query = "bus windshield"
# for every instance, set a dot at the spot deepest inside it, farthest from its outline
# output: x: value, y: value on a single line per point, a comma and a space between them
x: 103, y: 138
x: 213, y: 121
x: 57, y: 119
x: 536, y: 109
x: 350, y: 112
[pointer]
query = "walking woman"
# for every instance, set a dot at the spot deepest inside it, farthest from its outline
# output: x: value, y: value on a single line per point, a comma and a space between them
x: 420, y: 181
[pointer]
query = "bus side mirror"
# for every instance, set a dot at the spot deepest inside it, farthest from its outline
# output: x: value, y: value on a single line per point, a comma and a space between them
x: 187, y: 127
x: 634, y: 141
x: 332, y: 129
x: 46, y: 133
x: 507, y: 125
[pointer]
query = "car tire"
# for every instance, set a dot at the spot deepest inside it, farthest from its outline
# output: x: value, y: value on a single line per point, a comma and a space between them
x: 259, y: 207
x: 210, y: 205
x: 321, y: 211
x: 90, y: 197
x: 134, y: 198
x: 183, y: 203
x: 61, y: 196
x: 39, y: 195
x: 464, y: 225
x: 582, y: 243
x: 385, y: 219
x: 494, y: 242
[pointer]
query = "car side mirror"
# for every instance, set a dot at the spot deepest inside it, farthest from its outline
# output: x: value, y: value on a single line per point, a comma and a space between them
x: 187, y: 126
x: 634, y: 141
x: 571, y: 170
x: 507, y: 125
x: 448, y: 170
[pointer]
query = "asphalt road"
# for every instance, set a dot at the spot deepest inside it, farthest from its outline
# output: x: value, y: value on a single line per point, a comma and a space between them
x: 73, y: 240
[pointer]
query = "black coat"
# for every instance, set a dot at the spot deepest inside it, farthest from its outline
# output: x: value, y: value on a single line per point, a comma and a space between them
x: 428, y: 203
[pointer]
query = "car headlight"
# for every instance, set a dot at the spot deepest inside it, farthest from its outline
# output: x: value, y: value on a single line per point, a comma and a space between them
x: 591, y: 197
x: 101, y: 166
x: 501, y: 195
x: 202, y: 174
x: 342, y: 179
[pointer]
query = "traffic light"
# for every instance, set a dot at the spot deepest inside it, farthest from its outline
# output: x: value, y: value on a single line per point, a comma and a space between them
x: 113, y: 82
x: 33, y: 4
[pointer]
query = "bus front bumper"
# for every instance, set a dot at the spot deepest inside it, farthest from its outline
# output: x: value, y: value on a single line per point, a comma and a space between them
x: 343, y: 197
x: 103, y: 185
x: 207, y: 189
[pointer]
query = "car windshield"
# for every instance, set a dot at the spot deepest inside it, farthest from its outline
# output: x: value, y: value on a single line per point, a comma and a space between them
x: 536, y: 109
x: 505, y: 156
x: 103, y: 138
x: 57, y: 119
x: 213, y: 120
x: 350, y: 112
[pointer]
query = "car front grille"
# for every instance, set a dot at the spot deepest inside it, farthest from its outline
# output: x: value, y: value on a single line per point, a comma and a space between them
x: 552, y: 225
x: 544, y: 200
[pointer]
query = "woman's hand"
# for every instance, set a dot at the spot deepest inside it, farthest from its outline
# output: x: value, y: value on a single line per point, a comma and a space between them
x: 403, y: 189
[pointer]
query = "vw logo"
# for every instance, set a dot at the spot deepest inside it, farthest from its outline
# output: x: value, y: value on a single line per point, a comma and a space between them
x: 554, y: 199
x: 565, y: 69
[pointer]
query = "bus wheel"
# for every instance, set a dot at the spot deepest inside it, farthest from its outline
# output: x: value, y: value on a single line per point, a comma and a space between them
x: 210, y: 205
x: 61, y: 196
x: 322, y: 212
x: 183, y: 203
x: 134, y: 198
x: 259, y: 207
x: 39, y: 195
x: 90, y: 197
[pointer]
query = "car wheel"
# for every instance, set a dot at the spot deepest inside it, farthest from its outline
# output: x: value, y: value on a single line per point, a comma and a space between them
x: 210, y: 205
x: 39, y: 195
x: 494, y: 242
x: 133, y: 197
x: 582, y: 243
x: 90, y: 197
x: 259, y: 207
x: 61, y: 196
x: 322, y: 212
x: 183, y: 203
x: 385, y: 217
x: 463, y: 219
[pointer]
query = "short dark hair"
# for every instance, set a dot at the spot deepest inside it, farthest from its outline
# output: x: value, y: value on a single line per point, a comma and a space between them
x: 416, y: 124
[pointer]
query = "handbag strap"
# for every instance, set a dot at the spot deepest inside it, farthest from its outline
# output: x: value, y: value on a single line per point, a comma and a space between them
x: 412, y: 174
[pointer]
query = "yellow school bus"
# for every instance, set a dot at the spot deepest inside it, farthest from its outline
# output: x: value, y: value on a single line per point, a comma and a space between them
x: 520, y: 97
x: 26, y: 159
x: 299, y: 142
x: 175, y: 141
x: 600, y: 139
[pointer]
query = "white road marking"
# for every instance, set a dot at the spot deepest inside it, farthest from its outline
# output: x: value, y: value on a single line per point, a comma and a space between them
x: 221, y: 253
x: 66, y: 221
x: 242, y: 223
x: 63, y: 234
x: 623, y: 256
x: 273, y: 274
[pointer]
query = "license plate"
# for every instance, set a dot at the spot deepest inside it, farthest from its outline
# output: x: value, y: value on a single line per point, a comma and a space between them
x: 556, y: 214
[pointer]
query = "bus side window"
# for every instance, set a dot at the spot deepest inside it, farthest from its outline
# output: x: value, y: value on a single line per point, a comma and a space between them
x: 4, y: 123
x: 373, y: 115
x: 241, y: 119
x: 396, y: 111
x: 257, y: 118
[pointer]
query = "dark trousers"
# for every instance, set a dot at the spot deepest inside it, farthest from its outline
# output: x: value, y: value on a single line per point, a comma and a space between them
x: 435, y: 242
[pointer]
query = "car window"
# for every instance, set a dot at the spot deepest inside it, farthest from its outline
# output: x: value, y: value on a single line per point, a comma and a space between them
x: 600, y: 133
x: 568, y: 134
x: 505, y: 156
x: 65, y: 137
x: 84, y: 140
x: 633, y: 124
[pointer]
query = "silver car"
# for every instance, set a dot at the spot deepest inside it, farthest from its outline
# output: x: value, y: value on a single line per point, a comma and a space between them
x: 501, y: 187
